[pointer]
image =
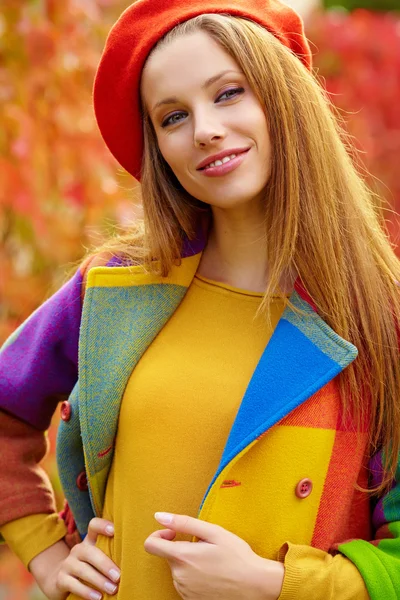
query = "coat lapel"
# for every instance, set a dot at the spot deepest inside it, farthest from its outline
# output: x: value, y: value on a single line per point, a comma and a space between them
x: 302, y: 355
x: 124, y: 309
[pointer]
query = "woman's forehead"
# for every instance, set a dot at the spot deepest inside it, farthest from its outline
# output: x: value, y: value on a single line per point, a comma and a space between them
x: 188, y: 61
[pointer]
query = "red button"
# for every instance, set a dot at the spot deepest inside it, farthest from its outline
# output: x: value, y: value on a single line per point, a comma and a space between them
x: 304, y: 488
x: 81, y: 482
x: 66, y: 411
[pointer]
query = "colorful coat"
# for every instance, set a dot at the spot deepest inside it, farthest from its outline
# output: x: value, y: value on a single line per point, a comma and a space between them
x: 289, y: 425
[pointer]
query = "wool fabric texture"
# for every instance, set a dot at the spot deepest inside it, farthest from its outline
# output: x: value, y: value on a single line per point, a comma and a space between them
x: 116, y: 95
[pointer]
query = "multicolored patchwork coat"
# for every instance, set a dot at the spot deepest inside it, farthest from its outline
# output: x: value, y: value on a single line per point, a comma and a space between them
x: 289, y: 427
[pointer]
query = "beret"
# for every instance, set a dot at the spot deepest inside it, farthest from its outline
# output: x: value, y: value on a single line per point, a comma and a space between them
x: 116, y: 97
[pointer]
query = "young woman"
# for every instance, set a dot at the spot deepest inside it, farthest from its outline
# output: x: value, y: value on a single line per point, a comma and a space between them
x: 238, y: 352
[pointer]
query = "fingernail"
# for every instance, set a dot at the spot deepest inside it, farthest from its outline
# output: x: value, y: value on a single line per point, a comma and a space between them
x: 95, y: 595
x: 114, y: 574
x: 163, y: 517
x: 110, y: 587
x: 110, y: 529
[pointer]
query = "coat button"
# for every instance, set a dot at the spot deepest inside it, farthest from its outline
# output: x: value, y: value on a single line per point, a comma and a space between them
x: 304, y: 488
x: 66, y: 411
x: 81, y: 482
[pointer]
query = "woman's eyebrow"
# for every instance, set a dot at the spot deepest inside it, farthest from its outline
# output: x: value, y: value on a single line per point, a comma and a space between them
x: 205, y: 85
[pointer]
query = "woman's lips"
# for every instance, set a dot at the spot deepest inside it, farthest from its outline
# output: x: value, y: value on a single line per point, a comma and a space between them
x: 225, y: 167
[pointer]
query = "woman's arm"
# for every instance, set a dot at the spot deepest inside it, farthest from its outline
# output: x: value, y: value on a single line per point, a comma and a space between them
x: 38, y: 365
x: 25, y: 487
x: 39, y: 361
x: 313, y: 573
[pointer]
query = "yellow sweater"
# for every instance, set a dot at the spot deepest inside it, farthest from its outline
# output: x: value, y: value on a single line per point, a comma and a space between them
x: 192, y: 410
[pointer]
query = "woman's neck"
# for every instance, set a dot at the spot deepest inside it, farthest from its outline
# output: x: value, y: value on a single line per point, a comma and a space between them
x: 236, y: 253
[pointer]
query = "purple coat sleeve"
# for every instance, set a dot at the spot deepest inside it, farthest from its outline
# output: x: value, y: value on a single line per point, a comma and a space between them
x: 39, y: 361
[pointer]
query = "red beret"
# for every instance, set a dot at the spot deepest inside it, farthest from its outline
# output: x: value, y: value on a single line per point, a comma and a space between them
x: 138, y: 29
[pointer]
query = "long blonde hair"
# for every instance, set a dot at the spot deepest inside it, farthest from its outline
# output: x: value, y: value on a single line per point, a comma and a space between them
x: 322, y: 219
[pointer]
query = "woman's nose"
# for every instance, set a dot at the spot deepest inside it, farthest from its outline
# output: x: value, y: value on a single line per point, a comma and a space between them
x: 206, y: 129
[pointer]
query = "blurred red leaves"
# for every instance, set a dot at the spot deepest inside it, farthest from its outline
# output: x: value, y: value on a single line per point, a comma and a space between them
x: 358, y: 57
x: 60, y: 188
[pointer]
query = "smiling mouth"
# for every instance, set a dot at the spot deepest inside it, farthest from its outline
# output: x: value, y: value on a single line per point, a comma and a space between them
x: 237, y: 154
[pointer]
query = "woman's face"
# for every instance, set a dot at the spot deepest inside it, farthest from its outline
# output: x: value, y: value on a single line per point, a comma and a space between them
x: 195, y: 120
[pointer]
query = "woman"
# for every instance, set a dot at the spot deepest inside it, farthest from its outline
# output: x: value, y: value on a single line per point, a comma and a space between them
x: 238, y: 358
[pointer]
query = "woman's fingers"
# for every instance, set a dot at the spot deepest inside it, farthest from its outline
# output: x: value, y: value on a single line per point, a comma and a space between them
x: 91, y: 565
x: 74, y: 586
x: 97, y: 527
x: 96, y: 558
x: 88, y: 573
x: 91, y: 577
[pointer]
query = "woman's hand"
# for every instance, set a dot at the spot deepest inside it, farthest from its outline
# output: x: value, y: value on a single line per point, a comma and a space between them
x: 221, y: 565
x: 86, y: 571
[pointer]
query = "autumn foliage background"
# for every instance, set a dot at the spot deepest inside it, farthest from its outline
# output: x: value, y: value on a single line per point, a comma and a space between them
x: 60, y: 189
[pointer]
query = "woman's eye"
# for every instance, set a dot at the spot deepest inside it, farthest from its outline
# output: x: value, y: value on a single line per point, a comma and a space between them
x: 168, y: 120
x: 233, y: 91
